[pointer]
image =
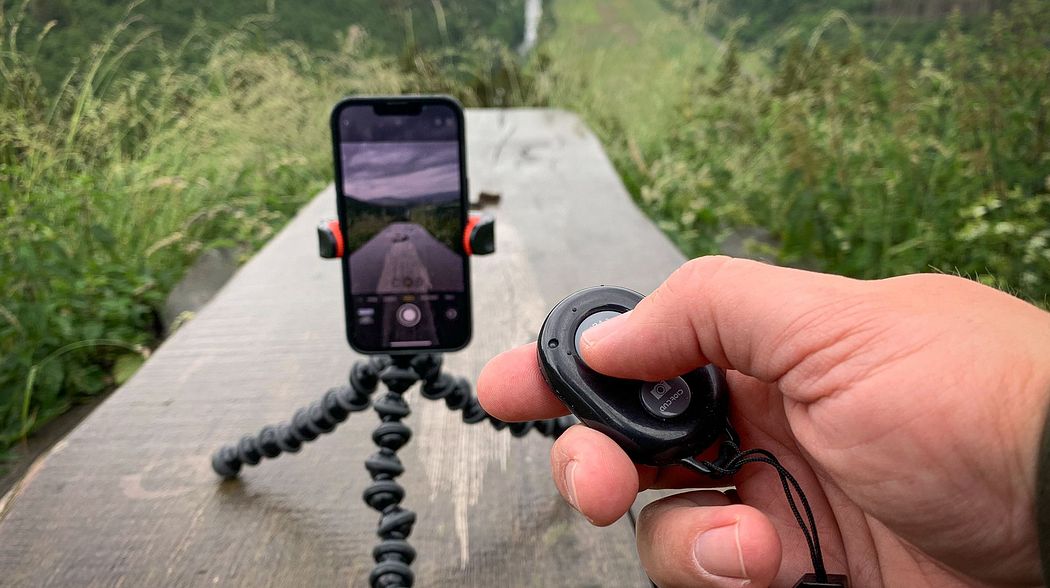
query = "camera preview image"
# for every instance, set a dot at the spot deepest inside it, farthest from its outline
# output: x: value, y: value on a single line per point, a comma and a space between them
x: 403, y: 205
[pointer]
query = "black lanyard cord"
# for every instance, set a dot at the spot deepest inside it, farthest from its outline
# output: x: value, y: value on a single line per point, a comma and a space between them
x: 731, y: 460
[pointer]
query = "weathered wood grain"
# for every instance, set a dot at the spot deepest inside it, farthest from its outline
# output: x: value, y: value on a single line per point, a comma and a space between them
x: 128, y: 499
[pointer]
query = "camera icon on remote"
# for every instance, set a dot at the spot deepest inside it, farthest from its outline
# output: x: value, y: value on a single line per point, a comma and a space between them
x: 666, y: 399
x: 659, y: 389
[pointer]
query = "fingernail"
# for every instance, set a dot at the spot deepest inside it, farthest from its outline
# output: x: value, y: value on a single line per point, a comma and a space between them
x: 602, y: 329
x: 570, y: 483
x: 717, y: 552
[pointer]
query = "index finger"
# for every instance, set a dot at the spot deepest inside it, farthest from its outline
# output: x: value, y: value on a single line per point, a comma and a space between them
x: 755, y: 318
x: 511, y: 387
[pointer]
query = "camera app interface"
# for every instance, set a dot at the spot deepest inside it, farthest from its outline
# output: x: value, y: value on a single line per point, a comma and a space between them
x: 402, y: 190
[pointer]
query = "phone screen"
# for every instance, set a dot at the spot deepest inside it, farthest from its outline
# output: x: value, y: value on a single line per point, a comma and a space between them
x: 402, y: 192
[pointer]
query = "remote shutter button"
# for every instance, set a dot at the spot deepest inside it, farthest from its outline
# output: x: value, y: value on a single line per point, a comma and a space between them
x: 592, y: 320
x: 657, y: 423
x: 666, y: 399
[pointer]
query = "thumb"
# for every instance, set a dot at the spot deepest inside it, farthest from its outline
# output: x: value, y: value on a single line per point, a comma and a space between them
x: 699, y: 539
x: 739, y: 314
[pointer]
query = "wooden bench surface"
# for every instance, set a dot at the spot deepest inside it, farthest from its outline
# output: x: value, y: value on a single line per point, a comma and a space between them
x: 129, y: 499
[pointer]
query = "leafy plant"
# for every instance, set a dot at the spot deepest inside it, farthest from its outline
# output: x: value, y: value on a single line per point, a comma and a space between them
x: 113, y: 181
x: 870, y: 165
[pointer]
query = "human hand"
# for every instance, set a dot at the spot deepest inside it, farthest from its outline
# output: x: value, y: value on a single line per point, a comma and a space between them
x: 910, y: 410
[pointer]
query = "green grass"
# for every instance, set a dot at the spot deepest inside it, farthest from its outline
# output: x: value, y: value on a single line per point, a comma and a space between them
x: 111, y: 186
x: 391, y: 26
x: 627, y: 66
x: 855, y: 154
x: 764, y: 25
x: 869, y: 163
x: 113, y: 182
x: 624, y: 62
x: 857, y: 157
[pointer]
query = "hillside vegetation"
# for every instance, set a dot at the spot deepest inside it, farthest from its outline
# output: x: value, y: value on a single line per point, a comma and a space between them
x: 861, y: 158
x: 622, y: 62
x: 768, y: 24
x: 112, y: 182
x: 133, y: 138
x: 394, y: 27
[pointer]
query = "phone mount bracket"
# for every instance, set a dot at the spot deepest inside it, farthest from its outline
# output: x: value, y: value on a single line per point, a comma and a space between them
x: 479, y: 236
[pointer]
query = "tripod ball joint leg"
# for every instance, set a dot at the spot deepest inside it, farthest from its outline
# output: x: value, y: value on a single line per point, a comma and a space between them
x: 307, y: 424
x: 393, y: 558
x: 458, y: 395
x: 393, y: 555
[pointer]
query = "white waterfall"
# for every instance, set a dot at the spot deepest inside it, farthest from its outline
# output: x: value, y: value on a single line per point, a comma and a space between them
x: 533, y: 14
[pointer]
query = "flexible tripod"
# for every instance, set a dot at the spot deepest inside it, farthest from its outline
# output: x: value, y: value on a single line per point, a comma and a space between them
x: 393, y: 555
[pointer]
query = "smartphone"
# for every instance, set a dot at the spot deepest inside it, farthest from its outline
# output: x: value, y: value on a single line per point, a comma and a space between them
x: 401, y: 189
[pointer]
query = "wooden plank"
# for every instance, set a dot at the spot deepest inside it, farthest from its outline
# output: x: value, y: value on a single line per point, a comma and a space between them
x: 587, y: 230
x: 129, y: 499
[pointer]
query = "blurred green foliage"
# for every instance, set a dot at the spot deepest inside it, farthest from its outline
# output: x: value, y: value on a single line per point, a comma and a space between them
x: 624, y: 65
x: 131, y: 147
x: 393, y: 26
x: 115, y: 179
x: 874, y: 165
x: 769, y: 25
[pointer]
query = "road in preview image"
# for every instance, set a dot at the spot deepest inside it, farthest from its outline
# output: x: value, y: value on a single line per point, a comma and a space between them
x: 404, y: 212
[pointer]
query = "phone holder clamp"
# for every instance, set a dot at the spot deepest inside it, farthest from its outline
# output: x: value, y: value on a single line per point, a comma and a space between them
x: 479, y: 236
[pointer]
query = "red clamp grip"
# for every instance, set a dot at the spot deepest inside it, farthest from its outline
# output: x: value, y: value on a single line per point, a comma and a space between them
x: 479, y: 236
x: 330, y: 239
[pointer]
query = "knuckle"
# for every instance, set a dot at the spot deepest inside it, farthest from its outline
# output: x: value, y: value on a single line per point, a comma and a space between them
x: 696, y: 272
x: 685, y: 282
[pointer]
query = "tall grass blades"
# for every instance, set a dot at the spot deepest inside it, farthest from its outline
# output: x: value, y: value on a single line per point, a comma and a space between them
x: 112, y: 182
x: 871, y: 166
x: 852, y: 153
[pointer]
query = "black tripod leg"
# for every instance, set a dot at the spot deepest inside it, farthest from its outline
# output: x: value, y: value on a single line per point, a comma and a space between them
x: 393, y: 555
x: 307, y: 424
x: 457, y: 394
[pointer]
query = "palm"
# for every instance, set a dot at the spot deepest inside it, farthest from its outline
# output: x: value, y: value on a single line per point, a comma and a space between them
x: 852, y: 543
